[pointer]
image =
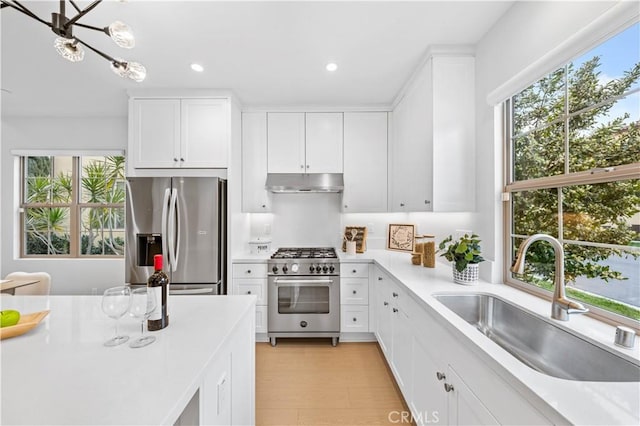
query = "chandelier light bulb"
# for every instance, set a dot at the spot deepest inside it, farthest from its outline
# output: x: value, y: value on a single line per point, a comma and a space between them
x: 69, y: 49
x: 119, y: 67
x: 136, y: 72
x: 122, y: 35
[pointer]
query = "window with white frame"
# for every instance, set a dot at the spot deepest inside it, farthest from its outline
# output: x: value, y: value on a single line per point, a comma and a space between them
x: 72, y: 206
x: 573, y: 172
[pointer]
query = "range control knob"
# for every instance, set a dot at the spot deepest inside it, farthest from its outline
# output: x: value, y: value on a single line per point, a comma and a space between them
x: 325, y: 268
x: 318, y: 269
x: 312, y: 268
x: 331, y: 268
x: 285, y: 269
x: 275, y: 269
x: 294, y: 268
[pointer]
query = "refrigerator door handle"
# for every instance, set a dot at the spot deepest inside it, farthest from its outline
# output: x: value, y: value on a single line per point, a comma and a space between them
x: 165, y: 236
x: 175, y: 230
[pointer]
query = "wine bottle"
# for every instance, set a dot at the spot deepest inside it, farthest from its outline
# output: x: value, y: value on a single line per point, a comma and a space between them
x: 158, y: 284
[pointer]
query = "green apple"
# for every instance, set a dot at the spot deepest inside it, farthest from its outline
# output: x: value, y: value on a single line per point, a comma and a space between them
x: 9, y: 317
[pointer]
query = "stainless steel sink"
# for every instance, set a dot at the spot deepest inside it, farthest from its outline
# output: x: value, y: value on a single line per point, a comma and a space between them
x: 539, y: 343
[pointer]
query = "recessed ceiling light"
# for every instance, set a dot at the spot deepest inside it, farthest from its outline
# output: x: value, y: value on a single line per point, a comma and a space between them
x: 197, y: 67
x: 331, y: 66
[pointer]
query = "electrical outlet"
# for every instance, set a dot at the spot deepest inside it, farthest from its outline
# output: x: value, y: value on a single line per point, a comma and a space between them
x: 370, y: 228
x: 267, y: 229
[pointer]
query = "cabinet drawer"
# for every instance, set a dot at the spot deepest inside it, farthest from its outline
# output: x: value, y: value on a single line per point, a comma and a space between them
x: 354, y: 318
x: 261, y: 319
x: 354, y: 291
x: 354, y: 270
x: 255, y: 287
x: 249, y: 270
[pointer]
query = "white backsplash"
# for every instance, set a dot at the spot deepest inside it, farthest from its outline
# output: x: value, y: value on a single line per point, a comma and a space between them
x: 315, y: 220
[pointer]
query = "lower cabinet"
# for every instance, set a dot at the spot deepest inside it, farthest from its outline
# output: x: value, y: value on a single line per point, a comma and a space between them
x: 251, y: 279
x: 354, y: 300
x: 440, y: 380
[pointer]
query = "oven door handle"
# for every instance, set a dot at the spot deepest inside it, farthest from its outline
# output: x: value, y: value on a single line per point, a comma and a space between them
x: 279, y: 281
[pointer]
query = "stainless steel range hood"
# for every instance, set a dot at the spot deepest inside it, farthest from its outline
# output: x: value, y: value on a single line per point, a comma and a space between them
x: 297, y: 182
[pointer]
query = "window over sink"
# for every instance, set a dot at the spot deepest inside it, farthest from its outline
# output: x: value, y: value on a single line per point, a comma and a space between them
x: 72, y: 206
x: 572, y: 171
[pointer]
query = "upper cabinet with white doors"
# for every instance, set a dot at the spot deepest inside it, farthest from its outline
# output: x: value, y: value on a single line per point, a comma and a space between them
x: 255, y: 198
x: 301, y: 142
x: 432, y: 158
x: 178, y: 133
x: 365, y: 162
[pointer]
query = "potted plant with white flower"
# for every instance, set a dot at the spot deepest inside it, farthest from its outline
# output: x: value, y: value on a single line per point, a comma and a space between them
x: 465, y: 253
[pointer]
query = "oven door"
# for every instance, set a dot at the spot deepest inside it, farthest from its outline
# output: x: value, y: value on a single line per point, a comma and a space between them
x: 304, y: 304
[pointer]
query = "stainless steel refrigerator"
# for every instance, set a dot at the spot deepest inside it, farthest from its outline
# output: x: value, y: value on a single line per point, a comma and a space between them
x: 184, y: 219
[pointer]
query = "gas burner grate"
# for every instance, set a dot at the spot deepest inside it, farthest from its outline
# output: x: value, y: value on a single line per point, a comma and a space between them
x: 305, y: 253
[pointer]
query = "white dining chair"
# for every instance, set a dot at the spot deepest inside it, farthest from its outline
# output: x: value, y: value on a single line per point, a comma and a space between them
x: 41, y: 288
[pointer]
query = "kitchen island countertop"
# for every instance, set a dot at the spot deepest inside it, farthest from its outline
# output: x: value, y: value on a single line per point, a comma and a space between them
x: 60, y: 372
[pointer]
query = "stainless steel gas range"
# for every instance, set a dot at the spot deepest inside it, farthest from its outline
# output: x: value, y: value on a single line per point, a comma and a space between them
x: 304, y: 293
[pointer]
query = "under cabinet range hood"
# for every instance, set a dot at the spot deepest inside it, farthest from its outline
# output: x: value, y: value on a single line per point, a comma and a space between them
x: 298, y: 182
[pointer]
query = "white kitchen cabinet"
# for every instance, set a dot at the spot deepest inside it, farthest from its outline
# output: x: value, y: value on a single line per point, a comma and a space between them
x: 251, y: 279
x: 464, y: 408
x: 324, y: 142
x: 432, y: 157
x: 428, y: 397
x: 178, y: 133
x: 382, y: 311
x: 299, y: 142
x: 441, y: 380
x: 354, y: 300
x: 255, y: 198
x: 285, y: 142
x: 393, y: 328
x: 365, y: 162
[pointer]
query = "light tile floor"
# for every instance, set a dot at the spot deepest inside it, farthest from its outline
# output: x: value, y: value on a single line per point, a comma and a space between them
x: 310, y: 382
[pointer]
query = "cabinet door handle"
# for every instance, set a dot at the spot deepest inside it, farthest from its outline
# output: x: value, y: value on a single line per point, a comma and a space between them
x: 379, y: 278
x: 395, y: 294
x: 302, y: 166
x: 440, y: 375
x: 401, y: 204
x: 354, y: 292
x: 248, y: 271
x: 264, y: 206
x: 182, y: 159
x: 355, y: 319
x: 307, y: 166
x: 448, y: 387
x: 346, y: 206
x: 354, y: 271
x: 248, y: 291
x: 395, y: 310
x: 386, y: 303
x: 427, y: 201
x: 175, y: 159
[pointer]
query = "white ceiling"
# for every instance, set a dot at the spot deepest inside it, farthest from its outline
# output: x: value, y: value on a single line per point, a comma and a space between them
x: 268, y: 53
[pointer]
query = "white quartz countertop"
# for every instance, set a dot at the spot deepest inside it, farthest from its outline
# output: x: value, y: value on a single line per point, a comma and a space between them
x: 583, y: 403
x: 60, y: 372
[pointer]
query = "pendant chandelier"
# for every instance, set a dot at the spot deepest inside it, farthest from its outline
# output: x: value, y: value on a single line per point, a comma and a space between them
x: 70, y: 47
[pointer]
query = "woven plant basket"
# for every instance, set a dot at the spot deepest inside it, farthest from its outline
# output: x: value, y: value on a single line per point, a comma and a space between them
x: 468, y: 276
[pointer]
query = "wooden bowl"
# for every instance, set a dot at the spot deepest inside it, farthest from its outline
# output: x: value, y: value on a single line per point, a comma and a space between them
x: 26, y: 323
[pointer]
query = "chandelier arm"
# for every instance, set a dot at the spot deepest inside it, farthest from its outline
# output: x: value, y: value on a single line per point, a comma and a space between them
x: 104, y: 55
x: 75, y: 6
x: 86, y: 10
x: 20, y: 8
x: 91, y: 27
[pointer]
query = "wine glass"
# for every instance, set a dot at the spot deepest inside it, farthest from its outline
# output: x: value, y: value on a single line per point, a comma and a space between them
x: 115, y: 303
x: 143, y: 303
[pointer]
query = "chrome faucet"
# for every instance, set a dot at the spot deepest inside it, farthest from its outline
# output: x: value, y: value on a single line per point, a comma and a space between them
x: 561, y: 307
